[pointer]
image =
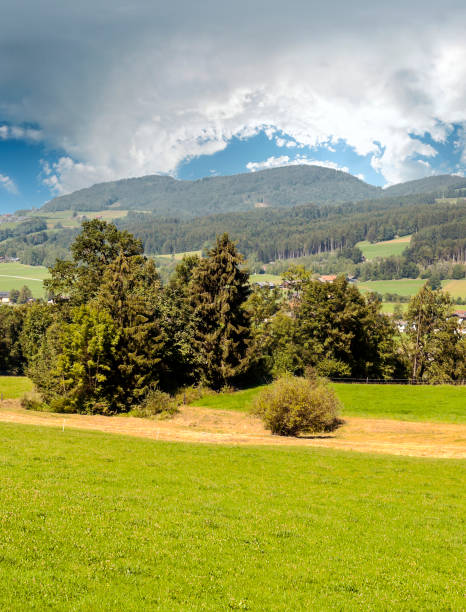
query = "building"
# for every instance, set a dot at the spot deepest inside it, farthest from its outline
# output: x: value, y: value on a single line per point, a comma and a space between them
x: 4, y: 297
x: 327, y: 278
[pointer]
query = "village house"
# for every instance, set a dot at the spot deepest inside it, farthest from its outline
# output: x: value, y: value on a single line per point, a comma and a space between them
x: 4, y: 297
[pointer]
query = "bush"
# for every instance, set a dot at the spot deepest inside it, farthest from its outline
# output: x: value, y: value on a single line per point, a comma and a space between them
x: 292, y: 405
x: 156, y: 403
x: 33, y: 401
x: 187, y: 395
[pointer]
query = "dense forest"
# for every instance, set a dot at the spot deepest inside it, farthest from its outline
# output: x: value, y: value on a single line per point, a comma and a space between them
x: 273, y: 234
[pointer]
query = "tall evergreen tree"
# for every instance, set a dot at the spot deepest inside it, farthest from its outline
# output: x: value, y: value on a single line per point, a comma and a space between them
x: 131, y: 294
x: 218, y: 291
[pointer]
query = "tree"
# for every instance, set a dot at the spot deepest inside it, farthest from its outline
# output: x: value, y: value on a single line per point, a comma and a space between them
x: 11, y: 354
x: 25, y: 294
x: 98, y: 244
x: 342, y: 333
x: 433, y: 340
x: 218, y: 292
x: 83, y: 367
x: 130, y: 294
x: 14, y: 295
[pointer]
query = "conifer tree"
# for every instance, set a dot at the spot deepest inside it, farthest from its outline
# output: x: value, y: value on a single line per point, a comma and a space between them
x: 130, y: 293
x: 218, y: 291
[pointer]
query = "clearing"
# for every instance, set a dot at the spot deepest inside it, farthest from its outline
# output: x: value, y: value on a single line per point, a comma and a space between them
x: 371, y: 250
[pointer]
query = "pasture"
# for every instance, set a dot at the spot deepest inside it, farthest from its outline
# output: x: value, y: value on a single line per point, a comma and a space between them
x: 265, y: 278
x: 403, y: 286
x: 67, y: 220
x: 372, y: 250
x: 94, y: 521
x: 16, y: 275
x: 456, y: 288
x: 443, y: 403
x: 179, y: 256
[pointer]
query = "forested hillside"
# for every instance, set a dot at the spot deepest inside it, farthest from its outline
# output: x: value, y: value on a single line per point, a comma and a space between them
x: 164, y: 195
x: 280, y: 234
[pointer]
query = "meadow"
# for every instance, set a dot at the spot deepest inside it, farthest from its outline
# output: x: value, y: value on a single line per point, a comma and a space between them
x: 403, y: 286
x: 443, y: 403
x: 456, y: 288
x: 371, y: 250
x: 16, y: 275
x: 92, y: 521
x: 14, y: 387
x: 265, y: 278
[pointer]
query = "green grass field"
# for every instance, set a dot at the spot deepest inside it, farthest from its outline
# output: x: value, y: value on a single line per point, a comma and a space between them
x: 265, y: 278
x: 456, y: 288
x: 14, y: 387
x: 404, y: 286
x: 384, y: 249
x: 98, y: 522
x: 443, y: 403
x: 16, y: 275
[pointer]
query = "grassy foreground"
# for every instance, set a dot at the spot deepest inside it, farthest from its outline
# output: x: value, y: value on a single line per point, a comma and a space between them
x: 442, y: 403
x: 98, y: 522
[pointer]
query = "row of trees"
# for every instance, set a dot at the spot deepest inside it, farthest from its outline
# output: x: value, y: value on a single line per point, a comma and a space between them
x: 115, y: 332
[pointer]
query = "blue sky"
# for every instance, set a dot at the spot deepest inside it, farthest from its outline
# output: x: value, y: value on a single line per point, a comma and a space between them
x: 23, y: 162
x: 193, y: 90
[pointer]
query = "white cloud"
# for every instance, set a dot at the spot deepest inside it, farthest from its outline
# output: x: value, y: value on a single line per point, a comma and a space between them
x: 8, y: 183
x: 146, y: 85
x: 15, y: 132
x: 285, y: 160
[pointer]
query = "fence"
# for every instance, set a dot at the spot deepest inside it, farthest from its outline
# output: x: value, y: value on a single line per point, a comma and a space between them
x: 396, y: 381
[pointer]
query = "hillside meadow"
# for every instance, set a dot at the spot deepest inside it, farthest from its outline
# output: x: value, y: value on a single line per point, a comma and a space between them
x: 386, y: 248
x: 16, y: 275
x: 93, y: 521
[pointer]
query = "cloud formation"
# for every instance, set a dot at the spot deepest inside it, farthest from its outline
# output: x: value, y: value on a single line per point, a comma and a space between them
x: 132, y: 88
x: 8, y: 183
x: 299, y: 160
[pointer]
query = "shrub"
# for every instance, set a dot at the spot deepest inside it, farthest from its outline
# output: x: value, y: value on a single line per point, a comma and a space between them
x: 33, y: 401
x: 187, y: 395
x: 156, y: 403
x: 292, y: 405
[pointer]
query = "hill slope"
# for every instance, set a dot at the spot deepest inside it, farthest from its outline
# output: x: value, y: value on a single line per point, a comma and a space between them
x: 431, y: 184
x: 288, y: 186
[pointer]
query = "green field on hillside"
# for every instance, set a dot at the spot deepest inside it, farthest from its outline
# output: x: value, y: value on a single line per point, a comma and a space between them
x: 404, y: 286
x: 265, y: 278
x: 456, y: 288
x: 16, y: 275
x: 371, y: 250
x: 92, y: 521
x: 443, y: 403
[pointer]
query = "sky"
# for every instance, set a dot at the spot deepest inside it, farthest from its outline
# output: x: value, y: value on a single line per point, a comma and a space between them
x: 109, y: 89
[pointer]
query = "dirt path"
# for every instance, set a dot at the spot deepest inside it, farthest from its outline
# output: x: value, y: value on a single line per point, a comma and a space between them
x: 226, y: 427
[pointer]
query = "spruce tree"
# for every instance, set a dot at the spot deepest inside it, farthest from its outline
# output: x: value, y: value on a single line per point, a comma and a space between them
x: 131, y: 294
x: 218, y: 291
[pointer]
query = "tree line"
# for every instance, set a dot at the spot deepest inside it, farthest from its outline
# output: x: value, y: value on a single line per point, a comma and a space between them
x: 115, y: 333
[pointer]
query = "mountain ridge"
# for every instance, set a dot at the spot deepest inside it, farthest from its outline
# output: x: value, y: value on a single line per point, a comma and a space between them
x: 287, y: 186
